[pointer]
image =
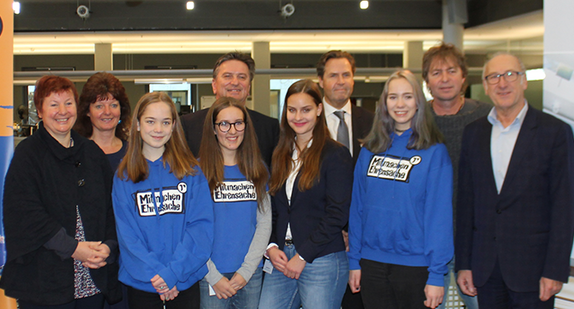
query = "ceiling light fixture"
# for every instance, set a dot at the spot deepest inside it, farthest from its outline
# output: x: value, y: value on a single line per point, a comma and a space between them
x: 535, y: 74
x: 16, y: 7
x: 190, y: 5
x: 364, y: 5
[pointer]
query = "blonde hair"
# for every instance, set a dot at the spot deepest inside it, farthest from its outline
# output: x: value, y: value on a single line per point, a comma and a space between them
x: 425, y: 131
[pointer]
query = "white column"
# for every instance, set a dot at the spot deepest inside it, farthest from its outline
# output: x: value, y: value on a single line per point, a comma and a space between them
x: 454, y: 15
x: 103, y: 57
x: 413, y: 55
x: 260, y: 87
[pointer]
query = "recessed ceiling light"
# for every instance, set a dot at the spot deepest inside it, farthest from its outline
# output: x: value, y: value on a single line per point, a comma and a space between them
x: 364, y: 5
x: 190, y: 5
x: 16, y: 7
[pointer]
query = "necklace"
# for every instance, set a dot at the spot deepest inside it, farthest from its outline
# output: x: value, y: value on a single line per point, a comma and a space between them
x: 400, y: 131
x: 456, y: 112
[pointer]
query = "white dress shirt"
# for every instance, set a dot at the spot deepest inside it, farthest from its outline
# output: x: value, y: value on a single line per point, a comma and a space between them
x: 502, y: 143
x: 289, y: 184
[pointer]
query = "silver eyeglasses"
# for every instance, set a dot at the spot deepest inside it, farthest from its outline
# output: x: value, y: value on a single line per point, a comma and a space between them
x: 509, y: 76
x: 225, y: 126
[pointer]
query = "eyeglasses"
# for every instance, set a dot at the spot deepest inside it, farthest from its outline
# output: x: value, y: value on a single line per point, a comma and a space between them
x: 509, y: 76
x: 225, y: 126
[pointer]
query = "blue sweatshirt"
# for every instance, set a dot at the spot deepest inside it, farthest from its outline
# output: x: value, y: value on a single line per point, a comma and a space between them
x: 170, y: 234
x: 401, y: 209
x: 235, y: 211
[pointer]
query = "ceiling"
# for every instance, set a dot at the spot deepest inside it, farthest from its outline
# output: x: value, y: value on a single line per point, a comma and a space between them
x: 520, y: 34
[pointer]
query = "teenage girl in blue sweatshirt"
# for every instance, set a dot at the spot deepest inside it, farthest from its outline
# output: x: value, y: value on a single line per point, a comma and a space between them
x: 237, y: 177
x: 400, y: 231
x: 164, y: 214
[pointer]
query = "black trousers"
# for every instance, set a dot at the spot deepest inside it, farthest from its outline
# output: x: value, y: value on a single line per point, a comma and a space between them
x: 92, y: 302
x: 145, y: 300
x: 392, y: 286
x: 496, y: 295
x: 352, y: 300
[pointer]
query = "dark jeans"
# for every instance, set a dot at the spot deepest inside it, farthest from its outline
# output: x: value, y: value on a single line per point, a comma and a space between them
x: 145, y: 300
x: 392, y: 286
x: 93, y: 302
x: 494, y: 294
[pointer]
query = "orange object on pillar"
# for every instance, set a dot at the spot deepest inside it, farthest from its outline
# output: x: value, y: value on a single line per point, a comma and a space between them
x: 6, y: 109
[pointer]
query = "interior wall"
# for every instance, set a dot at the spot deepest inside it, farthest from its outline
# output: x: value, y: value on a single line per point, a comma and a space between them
x: 367, y: 91
x: 533, y: 94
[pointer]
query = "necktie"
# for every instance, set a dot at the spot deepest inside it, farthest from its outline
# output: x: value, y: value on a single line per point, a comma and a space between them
x: 342, y: 131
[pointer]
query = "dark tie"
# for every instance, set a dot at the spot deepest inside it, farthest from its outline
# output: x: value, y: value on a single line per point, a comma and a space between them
x: 342, y: 131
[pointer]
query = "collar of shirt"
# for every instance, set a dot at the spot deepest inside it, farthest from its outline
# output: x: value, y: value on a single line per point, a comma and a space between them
x: 329, y: 109
x: 493, y: 118
x: 502, y: 141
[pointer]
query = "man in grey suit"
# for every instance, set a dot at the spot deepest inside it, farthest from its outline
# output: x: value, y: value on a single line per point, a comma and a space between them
x: 347, y: 123
x: 515, y: 209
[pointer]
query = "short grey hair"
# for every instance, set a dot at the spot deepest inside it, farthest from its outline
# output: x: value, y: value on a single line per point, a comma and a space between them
x: 501, y: 53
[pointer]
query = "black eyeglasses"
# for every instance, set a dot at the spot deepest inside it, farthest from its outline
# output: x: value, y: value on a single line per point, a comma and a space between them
x: 225, y: 126
x: 509, y: 76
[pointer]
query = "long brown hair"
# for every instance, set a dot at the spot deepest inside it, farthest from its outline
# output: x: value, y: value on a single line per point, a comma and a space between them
x: 180, y: 159
x: 425, y: 131
x: 310, y: 157
x: 248, y: 156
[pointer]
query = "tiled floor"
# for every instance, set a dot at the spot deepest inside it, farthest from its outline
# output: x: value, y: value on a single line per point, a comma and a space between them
x: 453, y: 301
x: 565, y: 299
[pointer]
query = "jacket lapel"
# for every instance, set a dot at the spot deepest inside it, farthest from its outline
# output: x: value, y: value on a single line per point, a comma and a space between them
x: 521, y: 148
x: 483, y: 149
x: 355, y: 123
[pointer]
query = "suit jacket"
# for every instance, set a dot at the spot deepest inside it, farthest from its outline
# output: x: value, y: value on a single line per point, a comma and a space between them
x: 528, y: 227
x: 362, y: 121
x: 266, y: 128
x: 317, y: 215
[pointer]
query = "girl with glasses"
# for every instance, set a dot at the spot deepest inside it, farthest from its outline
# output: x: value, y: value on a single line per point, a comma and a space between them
x: 237, y: 177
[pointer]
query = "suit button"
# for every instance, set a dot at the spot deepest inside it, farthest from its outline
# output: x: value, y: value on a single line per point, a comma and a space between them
x: 498, y: 211
x: 81, y: 182
x: 494, y: 238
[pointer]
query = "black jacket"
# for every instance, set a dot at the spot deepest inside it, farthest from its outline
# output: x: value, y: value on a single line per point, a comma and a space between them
x: 43, y: 185
x: 317, y: 215
x: 527, y: 228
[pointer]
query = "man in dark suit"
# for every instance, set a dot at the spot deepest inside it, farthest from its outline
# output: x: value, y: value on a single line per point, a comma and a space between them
x: 516, y: 197
x: 336, y: 70
x: 232, y: 76
x: 347, y: 123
